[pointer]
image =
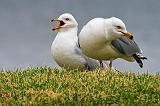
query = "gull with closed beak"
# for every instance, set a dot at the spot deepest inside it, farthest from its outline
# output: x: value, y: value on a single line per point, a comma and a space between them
x: 108, y: 39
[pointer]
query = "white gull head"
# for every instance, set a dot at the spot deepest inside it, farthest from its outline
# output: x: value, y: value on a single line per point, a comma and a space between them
x: 115, y: 28
x: 66, y: 21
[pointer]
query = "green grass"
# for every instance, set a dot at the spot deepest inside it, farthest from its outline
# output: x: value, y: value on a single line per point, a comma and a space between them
x: 47, y: 86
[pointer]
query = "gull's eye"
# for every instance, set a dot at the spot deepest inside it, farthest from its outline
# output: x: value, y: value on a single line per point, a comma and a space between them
x: 67, y: 19
x: 118, y: 27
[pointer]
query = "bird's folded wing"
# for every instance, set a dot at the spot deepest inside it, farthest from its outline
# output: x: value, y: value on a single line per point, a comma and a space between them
x: 126, y: 46
x: 89, y: 62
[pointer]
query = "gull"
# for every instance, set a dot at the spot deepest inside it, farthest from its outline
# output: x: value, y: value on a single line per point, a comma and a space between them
x: 65, y: 49
x: 108, y: 39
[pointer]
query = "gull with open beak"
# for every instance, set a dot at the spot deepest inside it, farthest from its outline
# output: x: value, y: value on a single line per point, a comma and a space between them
x: 65, y: 49
x: 108, y: 39
x: 61, y: 23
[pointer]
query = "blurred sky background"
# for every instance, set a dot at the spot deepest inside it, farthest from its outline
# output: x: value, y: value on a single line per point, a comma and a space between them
x: 26, y: 35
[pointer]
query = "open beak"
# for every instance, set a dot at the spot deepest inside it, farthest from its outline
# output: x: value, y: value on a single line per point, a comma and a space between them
x: 127, y: 34
x: 61, y: 23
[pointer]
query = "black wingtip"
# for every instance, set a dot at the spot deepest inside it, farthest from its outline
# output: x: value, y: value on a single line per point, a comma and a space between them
x: 138, y: 59
x: 144, y: 58
x: 141, y: 65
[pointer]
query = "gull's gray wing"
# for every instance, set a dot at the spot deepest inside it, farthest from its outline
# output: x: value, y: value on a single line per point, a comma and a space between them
x: 129, y: 47
x: 126, y: 46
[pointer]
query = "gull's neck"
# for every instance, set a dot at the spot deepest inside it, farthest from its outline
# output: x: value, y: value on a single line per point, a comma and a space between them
x: 66, y: 30
x: 69, y: 34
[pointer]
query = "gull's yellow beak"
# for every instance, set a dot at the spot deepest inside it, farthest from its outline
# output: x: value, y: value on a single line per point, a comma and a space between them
x: 127, y: 34
x: 56, y: 27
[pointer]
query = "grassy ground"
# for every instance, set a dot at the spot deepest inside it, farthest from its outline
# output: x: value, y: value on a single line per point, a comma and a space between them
x: 47, y: 86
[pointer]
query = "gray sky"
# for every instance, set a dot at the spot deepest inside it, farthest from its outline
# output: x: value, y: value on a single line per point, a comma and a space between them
x: 26, y: 36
